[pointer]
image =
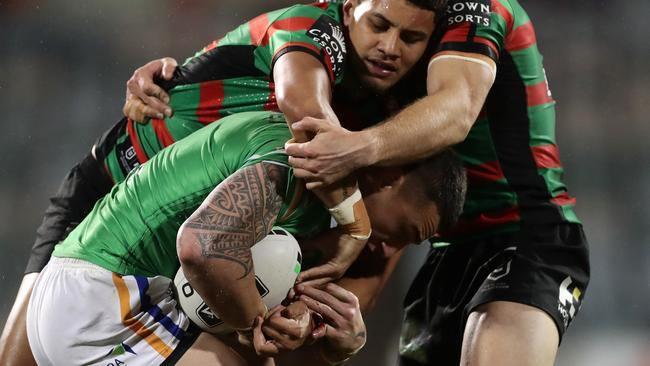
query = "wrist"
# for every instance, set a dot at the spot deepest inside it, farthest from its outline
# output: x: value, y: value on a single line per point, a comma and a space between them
x: 370, y: 147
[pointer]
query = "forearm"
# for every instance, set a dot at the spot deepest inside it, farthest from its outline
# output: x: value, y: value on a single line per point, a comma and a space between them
x: 456, y: 92
x: 214, y: 242
x: 368, y: 276
x: 233, y: 297
x: 434, y: 122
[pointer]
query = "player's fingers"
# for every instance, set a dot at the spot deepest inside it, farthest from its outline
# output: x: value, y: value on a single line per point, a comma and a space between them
x: 262, y: 346
x: 340, y: 293
x: 134, y: 109
x: 304, y: 174
x: 314, y: 185
x: 285, y: 326
x: 281, y: 340
x: 322, y: 296
x: 298, y: 149
x: 309, y: 124
x: 329, y: 314
x: 301, y: 163
x: 139, y: 112
x: 316, y: 276
x: 321, y: 331
x: 168, y: 68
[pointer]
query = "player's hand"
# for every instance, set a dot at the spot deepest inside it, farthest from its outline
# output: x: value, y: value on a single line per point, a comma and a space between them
x: 143, y: 97
x: 343, y: 328
x: 340, y: 250
x: 282, y: 329
x: 333, y: 153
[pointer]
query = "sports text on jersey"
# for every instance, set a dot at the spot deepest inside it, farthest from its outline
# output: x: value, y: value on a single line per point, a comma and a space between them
x: 476, y: 12
x: 327, y: 32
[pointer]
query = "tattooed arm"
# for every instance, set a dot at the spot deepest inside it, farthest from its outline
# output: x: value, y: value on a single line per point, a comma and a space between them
x: 214, y: 242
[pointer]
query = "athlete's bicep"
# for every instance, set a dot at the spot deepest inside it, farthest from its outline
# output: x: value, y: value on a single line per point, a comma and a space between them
x: 303, y: 87
x: 238, y: 213
x: 464, y: 78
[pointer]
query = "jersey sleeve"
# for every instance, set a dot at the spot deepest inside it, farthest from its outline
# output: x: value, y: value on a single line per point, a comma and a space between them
x: 478, y: 26
x: 309, y: 29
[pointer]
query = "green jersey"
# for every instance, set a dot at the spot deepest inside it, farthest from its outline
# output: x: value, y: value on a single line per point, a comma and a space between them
x: 133, y: 229
x: 231, y: 75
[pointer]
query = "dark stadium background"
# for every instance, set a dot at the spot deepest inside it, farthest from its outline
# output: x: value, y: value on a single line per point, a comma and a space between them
x: 63, y: 65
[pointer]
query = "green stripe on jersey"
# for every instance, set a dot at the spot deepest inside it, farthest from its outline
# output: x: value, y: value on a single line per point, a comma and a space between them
x: 542, y: 126
x: 148, y: 138
x: 478, y: 147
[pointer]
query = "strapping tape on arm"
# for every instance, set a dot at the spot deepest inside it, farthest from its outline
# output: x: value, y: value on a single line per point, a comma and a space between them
x: 351, y: 214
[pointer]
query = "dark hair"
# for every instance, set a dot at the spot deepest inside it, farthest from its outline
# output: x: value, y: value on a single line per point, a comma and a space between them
x: 435, y: 6
x: 444, y: 181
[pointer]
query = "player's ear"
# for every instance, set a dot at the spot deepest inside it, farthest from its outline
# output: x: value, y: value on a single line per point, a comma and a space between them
x: 348, y: 11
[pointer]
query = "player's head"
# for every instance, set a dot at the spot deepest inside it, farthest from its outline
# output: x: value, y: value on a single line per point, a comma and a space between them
x: 411, y: 203
x: 387, y: 37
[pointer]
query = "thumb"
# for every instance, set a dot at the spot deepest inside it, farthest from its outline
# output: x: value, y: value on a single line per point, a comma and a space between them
x: 316, y: 274
x: 312, y: 125
x: 169, y: 65
x: 319, y: 332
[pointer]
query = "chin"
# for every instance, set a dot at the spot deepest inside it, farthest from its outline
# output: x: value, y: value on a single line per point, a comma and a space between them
x: 379, y: 86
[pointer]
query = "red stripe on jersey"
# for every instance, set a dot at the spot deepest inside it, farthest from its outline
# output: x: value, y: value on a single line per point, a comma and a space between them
x: 468, y: 225
x: 460, y: 34
x: 291, y: 24
x: 162, y: 132
x: 212, y: 45
x: 488, y: 171
x: 546, y: 156
x: 211, y: 100
x: 322, y: 5
x: 520, y: 38
x: 498, y: 8
x: 538, y: 94
x: 257, y: 28
x: 456, y: 33
x: 271, y: 103
x: 139, y: 153
x: 564, y: 199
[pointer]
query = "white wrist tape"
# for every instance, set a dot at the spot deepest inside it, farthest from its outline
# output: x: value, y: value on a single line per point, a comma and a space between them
x: 343, y: 213
x: 493, y: 69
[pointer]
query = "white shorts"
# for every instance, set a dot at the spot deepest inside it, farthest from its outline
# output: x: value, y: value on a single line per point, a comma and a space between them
x: 82, y: 314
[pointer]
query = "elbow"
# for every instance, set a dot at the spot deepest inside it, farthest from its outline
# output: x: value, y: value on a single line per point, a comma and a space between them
x: 189, y: 254
x: 296, y: 105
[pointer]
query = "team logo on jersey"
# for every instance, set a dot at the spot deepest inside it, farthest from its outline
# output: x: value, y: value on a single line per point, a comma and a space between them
x: 475, y: 12
x: 568, y: 300
x: 328, y: 34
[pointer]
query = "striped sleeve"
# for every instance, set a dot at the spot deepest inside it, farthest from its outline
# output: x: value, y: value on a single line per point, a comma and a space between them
x: 309, y: 29
x: 478, y: 26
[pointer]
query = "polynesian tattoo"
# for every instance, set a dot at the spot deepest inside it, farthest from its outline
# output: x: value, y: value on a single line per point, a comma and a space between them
x: 239, y: 213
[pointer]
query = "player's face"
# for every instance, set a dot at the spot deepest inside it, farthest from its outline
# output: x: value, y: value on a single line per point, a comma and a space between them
x: 398, y: 216
x: 388, y: 37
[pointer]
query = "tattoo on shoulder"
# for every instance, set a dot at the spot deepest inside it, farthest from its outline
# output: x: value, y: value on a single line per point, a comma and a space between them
x: 239, y: 213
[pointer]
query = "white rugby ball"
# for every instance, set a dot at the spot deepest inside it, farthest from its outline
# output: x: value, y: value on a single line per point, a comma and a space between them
x: 276, y: 261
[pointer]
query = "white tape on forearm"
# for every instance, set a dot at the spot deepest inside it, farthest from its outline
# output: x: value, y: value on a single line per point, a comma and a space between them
x: 492, y: 68
x: 343, y: 213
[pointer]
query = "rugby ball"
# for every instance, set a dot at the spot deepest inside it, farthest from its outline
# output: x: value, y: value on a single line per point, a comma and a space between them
x: 276, y: 261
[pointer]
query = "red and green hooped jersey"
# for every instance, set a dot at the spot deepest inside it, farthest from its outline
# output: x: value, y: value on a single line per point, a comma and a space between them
x: 232, y: 74
x: 511, y: 156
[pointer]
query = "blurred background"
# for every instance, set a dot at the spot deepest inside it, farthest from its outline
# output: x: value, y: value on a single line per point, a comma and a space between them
x: 64, y: 63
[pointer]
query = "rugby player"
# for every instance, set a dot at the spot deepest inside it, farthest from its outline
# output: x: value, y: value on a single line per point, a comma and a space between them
x: 203, y: 202
x: 519, y: 256
x: 285, y: 60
